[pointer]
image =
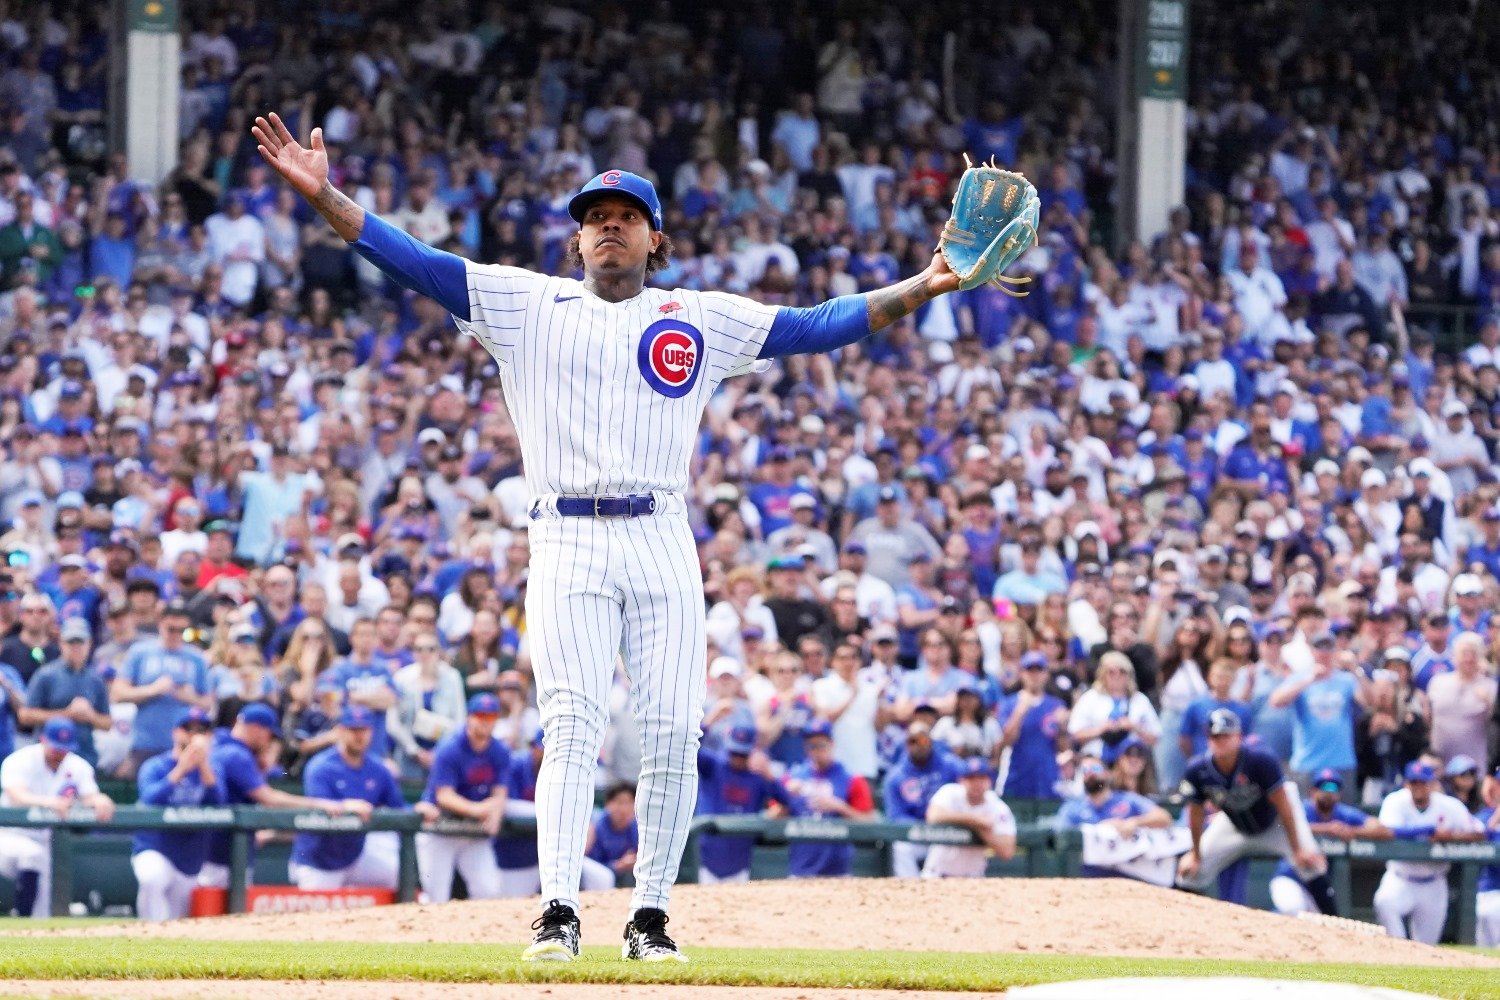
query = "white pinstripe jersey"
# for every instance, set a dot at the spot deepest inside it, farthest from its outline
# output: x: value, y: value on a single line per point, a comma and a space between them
x: 607, y: 397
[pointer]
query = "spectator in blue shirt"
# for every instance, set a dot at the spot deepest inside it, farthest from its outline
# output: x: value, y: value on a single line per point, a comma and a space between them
x: 1326, y: 701
x: 1193, y: 736
x: 367, y: 682
x: 69, y: 686
x: 1031, y: 723
x: 164, y: 676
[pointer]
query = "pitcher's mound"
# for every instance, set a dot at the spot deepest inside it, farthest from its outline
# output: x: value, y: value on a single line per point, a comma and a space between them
x: 1038, y: 916
x: 1220, y: 989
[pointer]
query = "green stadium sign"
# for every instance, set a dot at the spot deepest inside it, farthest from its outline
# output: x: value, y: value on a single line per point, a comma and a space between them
x: 1161, y: 56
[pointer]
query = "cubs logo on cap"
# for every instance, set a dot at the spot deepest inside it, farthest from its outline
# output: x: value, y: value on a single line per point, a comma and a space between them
x: 623, y: 182
x: 670, y: 354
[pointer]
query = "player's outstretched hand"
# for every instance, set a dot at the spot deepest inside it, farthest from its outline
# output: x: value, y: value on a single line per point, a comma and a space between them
x: 1187, y: 866
x: 1311, y: 859
x: 305, y: 169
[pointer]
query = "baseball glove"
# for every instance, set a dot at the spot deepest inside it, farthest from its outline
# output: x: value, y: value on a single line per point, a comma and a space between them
x: 993, y: 222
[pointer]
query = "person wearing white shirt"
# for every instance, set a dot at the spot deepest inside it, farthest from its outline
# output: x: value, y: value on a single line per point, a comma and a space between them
x: 1215, y: 373
x: 423, y: 215
x: 46, y: 775
x: 1258, y: 294
x: 1412, y: 899
x: 237, y: 242
x: 848, y: 698
x: 970, y: 802
x: 1161, y: 302
x: 1331, y: 237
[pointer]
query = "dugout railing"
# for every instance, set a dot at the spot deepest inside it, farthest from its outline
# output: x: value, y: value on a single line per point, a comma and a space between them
x: 1043, y: 851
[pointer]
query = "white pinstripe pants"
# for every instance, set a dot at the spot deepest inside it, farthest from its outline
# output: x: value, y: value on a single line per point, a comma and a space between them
x: 598, y: 588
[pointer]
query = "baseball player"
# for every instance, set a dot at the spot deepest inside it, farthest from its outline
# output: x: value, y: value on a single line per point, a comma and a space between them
x: 1257, y: 806
x: 236, y: 758
x: 614, y: 839
x: 1100, y: 803
x: 1413, y: 895
x: 820, y: 787
x: 517, y: 856
x: 46, y: 775
x: 1487, y: 902
x: 908, y: 789
x: 728, y: 786
x: 347, y: 770
x: 470, y: 772
x: 1327, y: 816
x: 606, y: 380
x: 167, y: 862
x: 970, y: 802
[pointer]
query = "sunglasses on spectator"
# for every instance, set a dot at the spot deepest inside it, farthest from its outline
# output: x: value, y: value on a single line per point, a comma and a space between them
x: 425, y: 647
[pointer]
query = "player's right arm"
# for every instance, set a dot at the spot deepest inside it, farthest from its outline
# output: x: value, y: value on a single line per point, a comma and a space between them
x: 439, y: 275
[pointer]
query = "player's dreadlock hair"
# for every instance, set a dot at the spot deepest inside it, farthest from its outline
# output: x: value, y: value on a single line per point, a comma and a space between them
x: 657, y: 261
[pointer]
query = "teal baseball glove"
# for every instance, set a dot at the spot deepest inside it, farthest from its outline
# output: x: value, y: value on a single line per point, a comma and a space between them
x: 993, y: 222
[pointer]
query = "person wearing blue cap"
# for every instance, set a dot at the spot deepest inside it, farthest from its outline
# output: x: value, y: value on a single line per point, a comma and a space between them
x: 167, y: 862
x: 237, y: 757
x: 69, y: 687
x: 47, y: 775
x: 1258, y: 808
x: 347, y: 771
x: 1328, y: 817
x: 1101, y: 804
x: 470, y: 771
x: 821, y: 788
x: 1032, y: 721
x: 1412, y: 898
x: 970, y: 802
x: 585, y: 356
x: 732, y: 782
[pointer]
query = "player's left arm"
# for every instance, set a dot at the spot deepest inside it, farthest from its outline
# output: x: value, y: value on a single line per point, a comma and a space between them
x: 842, y: 321
x: 1283, y: 806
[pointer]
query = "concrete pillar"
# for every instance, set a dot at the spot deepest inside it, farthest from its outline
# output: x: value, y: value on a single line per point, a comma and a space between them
x: 1152, y: 140
x: 146, y: 80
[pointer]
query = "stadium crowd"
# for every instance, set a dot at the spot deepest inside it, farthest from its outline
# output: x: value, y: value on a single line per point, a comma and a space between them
x: 248, y: 484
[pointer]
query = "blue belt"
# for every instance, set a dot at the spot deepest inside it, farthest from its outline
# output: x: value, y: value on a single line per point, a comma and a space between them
x: 1421, y: 879
x: 635, y: 505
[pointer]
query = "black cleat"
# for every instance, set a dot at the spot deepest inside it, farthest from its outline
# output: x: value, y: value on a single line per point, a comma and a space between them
x: 557, y: 933
x: 646, y: 939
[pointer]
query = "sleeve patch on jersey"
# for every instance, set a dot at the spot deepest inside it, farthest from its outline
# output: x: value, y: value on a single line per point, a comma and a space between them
x: 670, y: 355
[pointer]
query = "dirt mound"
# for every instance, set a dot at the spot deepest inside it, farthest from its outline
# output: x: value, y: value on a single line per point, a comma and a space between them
x: 1038, y: 916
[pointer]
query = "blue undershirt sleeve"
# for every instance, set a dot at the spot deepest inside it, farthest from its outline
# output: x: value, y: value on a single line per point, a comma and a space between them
x: 437, y: 274
x: 836, y: 323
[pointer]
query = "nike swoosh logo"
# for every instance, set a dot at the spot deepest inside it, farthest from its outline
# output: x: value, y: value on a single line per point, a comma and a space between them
x: 565, y: 298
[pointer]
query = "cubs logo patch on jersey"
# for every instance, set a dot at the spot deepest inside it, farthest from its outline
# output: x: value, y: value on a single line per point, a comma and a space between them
x: 670, y: 355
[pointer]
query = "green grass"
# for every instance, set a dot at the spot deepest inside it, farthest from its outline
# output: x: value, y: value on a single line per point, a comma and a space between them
x: 118, y: 958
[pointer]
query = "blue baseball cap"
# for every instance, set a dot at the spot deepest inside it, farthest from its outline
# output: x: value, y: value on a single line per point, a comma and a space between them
x: 1329, y: 780
x: 1418, y: 771
x: 195, y: 717
x: 741, y: 739
x: 61, y: 733
x: 357, y: 717
x: 536, y: 737
x: 973, y: 766
x: 621, y: 182
x: 261, y: 714
x: 817, y: 728
x: 484, y: 704
x: 1034, y: 661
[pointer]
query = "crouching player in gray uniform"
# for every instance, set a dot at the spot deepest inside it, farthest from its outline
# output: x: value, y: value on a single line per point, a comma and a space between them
x: 1258, y: 808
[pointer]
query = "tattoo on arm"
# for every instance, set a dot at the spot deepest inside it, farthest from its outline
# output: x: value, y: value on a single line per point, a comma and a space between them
x: 342, y: 213
x: 886, y: 305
